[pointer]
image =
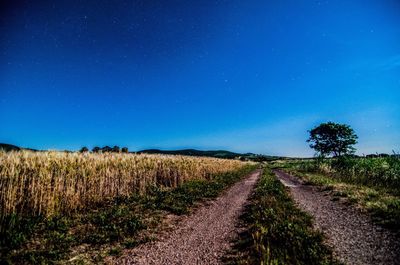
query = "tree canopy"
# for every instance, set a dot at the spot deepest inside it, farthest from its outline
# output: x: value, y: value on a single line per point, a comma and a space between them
x: 332, y: 139
x: 84, y: 149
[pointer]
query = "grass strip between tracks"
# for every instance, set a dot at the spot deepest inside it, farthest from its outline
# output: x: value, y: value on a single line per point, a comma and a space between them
x: 276, y: 231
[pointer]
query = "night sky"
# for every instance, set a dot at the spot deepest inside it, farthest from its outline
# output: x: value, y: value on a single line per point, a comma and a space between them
x: 248, y: 76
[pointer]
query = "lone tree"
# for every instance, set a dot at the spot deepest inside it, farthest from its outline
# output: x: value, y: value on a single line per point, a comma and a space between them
x: 333, y: 138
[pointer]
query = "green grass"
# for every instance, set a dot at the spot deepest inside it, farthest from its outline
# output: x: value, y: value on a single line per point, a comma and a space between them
x: 277, y: 232
x: 108, y: 227
x: 382, y: 202
x: 380, y: 172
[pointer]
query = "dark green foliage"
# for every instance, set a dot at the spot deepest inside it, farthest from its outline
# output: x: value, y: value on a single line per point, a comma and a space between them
x: 388, y: 216
x: 115, y: 251
x: 106, y: 149
x: 96, y: 149
x: 277, y: 231
x: 111, y: 224
x: 22, y: 229
x: 133, y: 242
x: 84, y: 150
x: 106, y: 223
x: 54, y: 231
x: 116, y: 149
x: 124, y: 149
x: 332, y: 138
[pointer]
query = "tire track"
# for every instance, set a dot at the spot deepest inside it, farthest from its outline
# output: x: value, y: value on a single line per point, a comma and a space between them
x: 202, y: 238
x: 351, y: 234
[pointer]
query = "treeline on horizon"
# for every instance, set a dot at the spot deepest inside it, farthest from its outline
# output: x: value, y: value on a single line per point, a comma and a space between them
x: 105, y: 149
x: 185, y: 152
x: 189, y: 152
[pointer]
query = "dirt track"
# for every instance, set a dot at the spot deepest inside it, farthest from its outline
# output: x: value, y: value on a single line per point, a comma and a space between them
x: 351, y: 234
x: 201, y: 238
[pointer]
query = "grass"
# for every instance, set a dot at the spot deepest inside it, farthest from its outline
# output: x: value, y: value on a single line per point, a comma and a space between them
x: 106, y: 228
x: 380, y: 200
x: 277, y: 232
x: 380, y: 172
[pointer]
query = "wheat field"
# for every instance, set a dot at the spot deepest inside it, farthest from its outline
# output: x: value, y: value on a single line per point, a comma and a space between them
x: 50, y: 183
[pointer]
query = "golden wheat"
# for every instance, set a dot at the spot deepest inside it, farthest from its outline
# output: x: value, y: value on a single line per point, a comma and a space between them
x: 49, y: 183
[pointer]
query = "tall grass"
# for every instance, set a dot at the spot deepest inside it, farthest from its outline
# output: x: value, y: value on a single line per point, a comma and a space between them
x: 52, y: 183
x: 374, y: 172
x: 384, y: 171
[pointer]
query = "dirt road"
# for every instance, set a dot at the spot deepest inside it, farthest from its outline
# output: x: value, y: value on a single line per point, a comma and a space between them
x: 351, y: 234
x: 202, y: 238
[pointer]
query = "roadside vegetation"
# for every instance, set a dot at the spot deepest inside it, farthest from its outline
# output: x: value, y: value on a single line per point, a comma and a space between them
x: 276, y: 231
x: 371, y: 183
x: 57, y: 206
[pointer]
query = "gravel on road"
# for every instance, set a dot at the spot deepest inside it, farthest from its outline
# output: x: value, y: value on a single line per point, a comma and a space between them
x: 351, y: 233
x: 203, y: 237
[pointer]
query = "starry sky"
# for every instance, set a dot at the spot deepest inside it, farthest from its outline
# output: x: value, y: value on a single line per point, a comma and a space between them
x: 247, y: 76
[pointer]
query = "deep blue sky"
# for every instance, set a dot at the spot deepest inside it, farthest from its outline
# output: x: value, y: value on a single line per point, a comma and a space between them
x: 249, y: 76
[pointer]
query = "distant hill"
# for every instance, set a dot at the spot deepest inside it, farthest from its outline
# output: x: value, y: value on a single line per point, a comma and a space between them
x: 211, y: 153
x: 193, y: 152
x: 9, y: 147
x: 186, y: 152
